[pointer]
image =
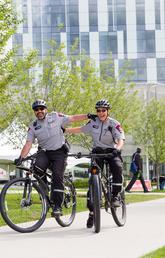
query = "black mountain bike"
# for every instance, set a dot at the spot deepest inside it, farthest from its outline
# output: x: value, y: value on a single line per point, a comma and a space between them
x: 100, y: 191
x: 25, y: 201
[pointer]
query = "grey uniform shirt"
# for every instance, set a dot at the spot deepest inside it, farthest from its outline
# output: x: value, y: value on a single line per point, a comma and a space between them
x: 104, y: 134
x: 48, y: 131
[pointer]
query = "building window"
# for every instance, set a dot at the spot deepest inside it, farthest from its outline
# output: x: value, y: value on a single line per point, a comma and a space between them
x: 25, y: 17
x: 157, y: 14
x: 121, y: 14
x: 84, y: 42
x: 108, y: 43
x: 17, y: 41
x: 73, y: 39
x: 161, y: 69
x: 150, y: 43
x: 140, y: 14
x: 146, y: 44
x: 138, y: 66
x: 93, y: 16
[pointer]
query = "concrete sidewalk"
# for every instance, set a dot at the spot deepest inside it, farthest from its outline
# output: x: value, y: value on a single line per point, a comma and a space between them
x: 144, y: 231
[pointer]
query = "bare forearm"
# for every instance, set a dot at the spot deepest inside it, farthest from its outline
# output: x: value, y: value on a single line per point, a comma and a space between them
x: 75, y: 118
x: 73, y: 130
x: 26, y: 149
x: 119, y: 144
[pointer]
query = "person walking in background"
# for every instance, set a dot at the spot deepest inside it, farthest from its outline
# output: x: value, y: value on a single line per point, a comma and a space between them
x: 138, y: 173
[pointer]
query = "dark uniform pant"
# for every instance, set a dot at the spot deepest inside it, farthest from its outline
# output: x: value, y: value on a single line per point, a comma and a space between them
x: 134, y: 178
x: 116, y: 167
x: 57, y: 160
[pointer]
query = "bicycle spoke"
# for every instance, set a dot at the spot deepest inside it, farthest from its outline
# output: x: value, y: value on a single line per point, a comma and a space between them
x: 69, y: 205
x: 23, y: 206
x: 119, y: 213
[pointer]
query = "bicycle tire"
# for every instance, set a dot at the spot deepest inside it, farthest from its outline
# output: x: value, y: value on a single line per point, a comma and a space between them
x: 23, y: 205
x: 69, y: 204
x: 119, y: 213
x: 96, y: 202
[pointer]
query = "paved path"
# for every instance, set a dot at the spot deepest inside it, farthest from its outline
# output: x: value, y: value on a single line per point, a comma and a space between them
x: 143, y: 232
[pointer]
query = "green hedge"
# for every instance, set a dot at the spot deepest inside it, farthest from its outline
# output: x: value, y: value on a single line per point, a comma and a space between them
x: 81, y: 183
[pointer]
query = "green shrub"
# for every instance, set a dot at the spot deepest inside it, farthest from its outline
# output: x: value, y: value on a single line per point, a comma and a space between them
x: 81, y: 183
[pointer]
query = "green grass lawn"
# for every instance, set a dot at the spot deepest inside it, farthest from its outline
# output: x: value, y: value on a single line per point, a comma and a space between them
x: 159, y: 253
x: 81, y: 202
x: 132, y: 198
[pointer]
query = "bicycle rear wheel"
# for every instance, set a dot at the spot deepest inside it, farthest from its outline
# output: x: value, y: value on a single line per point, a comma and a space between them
x: 119, y: 213
x: 69, y: 204
x: 96, y: 202
x: 23, y: 205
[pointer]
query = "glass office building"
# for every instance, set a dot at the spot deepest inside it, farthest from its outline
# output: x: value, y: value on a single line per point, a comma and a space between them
x: 130, y: 29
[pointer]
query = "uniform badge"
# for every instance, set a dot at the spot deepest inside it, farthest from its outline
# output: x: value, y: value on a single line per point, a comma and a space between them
x: 96, y: 126
x: 35, y: 123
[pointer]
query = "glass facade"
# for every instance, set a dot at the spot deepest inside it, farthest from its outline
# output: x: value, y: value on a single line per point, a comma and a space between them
x: 130, y: 29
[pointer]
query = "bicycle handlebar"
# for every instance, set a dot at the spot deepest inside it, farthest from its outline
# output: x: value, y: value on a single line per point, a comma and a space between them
x: 90, y: 155
x: 76, y: 155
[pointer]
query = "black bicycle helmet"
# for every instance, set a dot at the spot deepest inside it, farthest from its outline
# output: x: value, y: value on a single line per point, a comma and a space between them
x: 39, y: 103
x: 103, y: 103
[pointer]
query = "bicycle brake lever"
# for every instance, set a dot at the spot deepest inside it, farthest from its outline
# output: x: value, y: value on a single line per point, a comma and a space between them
x: 78, y: 156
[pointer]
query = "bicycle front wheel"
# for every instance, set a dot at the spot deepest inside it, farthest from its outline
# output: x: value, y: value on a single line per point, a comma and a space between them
x: 96, y: 202
x: 119, y: 213
x: 23, y: 205
x: 68, y: 205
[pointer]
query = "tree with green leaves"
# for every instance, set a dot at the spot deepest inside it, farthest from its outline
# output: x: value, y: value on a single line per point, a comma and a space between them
x: 13, y: 70
x: 73, y: 85
x: 150, y: 132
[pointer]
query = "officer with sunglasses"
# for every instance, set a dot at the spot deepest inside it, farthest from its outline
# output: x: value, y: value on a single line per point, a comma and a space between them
x: 108, y: 137
x: 47, y: 129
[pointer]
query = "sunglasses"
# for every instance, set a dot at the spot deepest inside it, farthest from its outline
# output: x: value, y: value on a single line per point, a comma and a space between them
x: 39, y: 109
x: 101, y: 110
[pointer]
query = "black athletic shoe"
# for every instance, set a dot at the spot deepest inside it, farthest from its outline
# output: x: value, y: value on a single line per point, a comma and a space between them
x: 115, y: 202
x: 56, y: 212
x: 90, y: 221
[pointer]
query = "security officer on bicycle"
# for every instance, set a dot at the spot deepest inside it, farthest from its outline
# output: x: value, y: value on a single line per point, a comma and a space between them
x: 108, y: 137
x: 47, y: 129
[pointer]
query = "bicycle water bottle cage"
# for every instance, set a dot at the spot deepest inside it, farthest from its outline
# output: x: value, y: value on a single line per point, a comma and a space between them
x: 94, y: 170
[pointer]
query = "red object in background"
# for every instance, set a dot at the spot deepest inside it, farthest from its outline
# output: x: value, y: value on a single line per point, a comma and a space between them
x: 138, y: 186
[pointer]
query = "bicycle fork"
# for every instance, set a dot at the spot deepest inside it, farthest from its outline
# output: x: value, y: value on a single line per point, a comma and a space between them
x: 26, y: 198
x: 94, y: 173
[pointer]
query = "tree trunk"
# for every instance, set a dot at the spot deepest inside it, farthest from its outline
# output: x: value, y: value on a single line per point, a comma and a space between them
x: 157, y: 175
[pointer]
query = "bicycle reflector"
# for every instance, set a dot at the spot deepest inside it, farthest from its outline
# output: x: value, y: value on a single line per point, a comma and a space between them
x: 94, y: 170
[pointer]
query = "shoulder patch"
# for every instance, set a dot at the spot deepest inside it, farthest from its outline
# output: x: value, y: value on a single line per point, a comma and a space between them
x: 119, y: 128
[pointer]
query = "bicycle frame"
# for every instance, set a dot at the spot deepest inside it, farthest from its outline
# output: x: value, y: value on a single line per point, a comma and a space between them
x: 101, y: 182
x: 31, y: 202
x: 105, y: 181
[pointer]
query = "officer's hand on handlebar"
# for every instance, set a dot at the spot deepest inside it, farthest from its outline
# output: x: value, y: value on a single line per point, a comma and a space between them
x: 92, y: 116
x: 18, y: 161
x: 78, y: 155
x: 116, y: 152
